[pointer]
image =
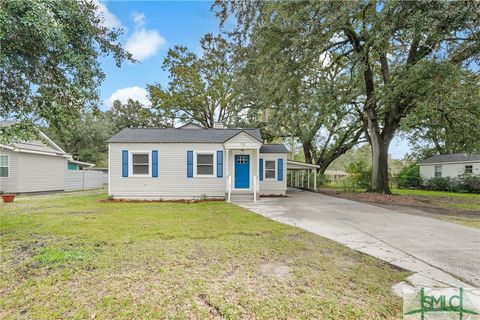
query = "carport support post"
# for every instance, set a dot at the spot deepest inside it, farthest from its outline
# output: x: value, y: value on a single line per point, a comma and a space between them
x: 308, y: 179
x: 315, y: 179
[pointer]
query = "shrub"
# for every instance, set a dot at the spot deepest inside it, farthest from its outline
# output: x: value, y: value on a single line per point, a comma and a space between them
x: 409, y: 177
x: 463, y: 183
x: 439, y: 184
x: 470, y: 183
x: 359, y: 176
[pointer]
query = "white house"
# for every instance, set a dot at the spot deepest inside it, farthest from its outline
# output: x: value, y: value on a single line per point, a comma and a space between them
x: 38, y: 165
x: 450, y: 165
x: 192, y: 162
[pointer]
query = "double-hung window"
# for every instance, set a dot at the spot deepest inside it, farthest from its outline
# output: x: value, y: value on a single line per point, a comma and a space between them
x: 140, y: 163
x: 205, y: 164
x: 4, y: 166
x: 438, y: 171
x: 270, y: 169
x: 468, y: 169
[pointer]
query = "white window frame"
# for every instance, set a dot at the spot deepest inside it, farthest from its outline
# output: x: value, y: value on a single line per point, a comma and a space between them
x: 214, y: 164
x: 465, y: 169
x: 8, y: 165
x: 435, y: 171
x: 265, y: 169
x: 130, y: 164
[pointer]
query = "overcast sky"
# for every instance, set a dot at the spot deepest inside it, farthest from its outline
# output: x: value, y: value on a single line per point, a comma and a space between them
x: 150, y: 28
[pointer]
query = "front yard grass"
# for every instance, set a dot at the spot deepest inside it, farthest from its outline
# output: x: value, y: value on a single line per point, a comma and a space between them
x: 71, y: 256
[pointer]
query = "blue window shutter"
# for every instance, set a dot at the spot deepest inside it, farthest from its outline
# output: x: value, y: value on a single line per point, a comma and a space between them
x: 155, y: 163
x: 124, y: 163
x: 280, y: 170
x: 219, y: 164
x: 261, y: 169
x: 189, y: 164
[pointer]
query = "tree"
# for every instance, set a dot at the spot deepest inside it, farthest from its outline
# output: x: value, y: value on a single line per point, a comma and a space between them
x: 49, y: 66
x: 447, y: 119
x: 86, y: 139
x: 301, y: 99
x: 201, y: 88
x: 134, y: 115
x: 392, y: 47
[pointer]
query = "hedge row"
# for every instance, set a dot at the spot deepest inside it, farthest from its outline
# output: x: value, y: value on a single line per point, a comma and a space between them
x: 464, y: 183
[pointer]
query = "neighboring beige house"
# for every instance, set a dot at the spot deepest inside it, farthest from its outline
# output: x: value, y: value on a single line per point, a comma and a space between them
x: 450, y: 165
x: 35, y: 166
x: 335, y: 175
x: 192, y: 162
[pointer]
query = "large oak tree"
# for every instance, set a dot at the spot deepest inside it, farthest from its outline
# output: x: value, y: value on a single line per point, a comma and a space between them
x: 49, y: 62
x: 393, y: 47
x: 201, y: 87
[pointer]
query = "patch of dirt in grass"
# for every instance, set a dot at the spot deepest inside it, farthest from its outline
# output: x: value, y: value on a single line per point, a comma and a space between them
x: 274, y: 270
x: 27, y: 251
x: 214, y: 310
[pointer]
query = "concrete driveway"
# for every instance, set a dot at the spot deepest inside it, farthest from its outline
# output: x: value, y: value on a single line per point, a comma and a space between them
x: 440, y: 253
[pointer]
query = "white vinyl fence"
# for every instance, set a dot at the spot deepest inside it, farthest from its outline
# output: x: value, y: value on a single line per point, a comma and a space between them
x: 83, y: 180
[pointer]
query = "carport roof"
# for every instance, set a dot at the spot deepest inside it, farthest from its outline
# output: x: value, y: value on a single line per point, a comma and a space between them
x: 295, y: 165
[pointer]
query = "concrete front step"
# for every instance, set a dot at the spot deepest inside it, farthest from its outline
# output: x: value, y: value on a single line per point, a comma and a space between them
x: 242, y: 198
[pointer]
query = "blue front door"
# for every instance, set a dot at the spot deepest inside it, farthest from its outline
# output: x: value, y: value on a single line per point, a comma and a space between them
x: 242, y: 171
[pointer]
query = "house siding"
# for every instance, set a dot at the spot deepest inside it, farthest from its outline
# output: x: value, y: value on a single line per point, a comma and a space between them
x: 41, y: 172
x: 10, y: 184
x: 270, y: 186
x: 172, y: 181
x: 427, y: 171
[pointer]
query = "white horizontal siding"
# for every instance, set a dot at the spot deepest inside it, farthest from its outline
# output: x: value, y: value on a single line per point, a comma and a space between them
x: 172, y: 181
x: 273, y: 186
x: 10, y: 184
x: 427, y: 171
x: 41, y: 172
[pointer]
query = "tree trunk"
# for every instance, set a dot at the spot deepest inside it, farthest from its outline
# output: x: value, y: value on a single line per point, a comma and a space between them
x: 308, y: 151
x: 380, y: 146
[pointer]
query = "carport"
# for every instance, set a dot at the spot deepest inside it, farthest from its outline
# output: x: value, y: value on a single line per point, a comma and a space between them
x: 301, y: 175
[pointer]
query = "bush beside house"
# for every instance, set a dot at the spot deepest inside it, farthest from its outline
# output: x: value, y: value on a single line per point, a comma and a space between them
x: 464, y: 183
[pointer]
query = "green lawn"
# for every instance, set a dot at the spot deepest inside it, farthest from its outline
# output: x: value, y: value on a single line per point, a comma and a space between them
x: 448, y: 200
x: 74, y: 257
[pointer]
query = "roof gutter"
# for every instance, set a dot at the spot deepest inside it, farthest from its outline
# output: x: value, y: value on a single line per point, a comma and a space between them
x: 447, y: 162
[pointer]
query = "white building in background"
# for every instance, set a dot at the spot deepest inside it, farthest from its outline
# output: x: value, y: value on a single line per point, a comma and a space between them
x: 450, y: 165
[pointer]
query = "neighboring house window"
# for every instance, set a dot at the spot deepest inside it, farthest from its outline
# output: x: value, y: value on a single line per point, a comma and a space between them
x: 4, y: 166
x: 205, y: 164
x: 270, y: 169
x: 438, y: 171
x: 140, y: 163
x: 468, y: 169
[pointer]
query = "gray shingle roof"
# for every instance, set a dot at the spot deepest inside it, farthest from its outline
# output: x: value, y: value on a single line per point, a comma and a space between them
x: 273, y: 148
x: 452, y: 157
x: 177, y: 135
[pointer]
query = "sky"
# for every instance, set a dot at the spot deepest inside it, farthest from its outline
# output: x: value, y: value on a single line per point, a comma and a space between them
x: 150, y: 29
